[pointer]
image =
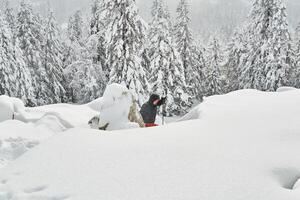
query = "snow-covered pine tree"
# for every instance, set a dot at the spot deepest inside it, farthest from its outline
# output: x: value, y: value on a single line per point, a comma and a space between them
x: 197, y: 79
x: 167, y: 72
x: 296, y: 71
x: 183, y: 37
x: 29, y: 33
x: 267, y: 63
x: 15, y: 78
x: 10, y: 18
x: 213, y: 72
x: 188, y: 50
x: 75, y: 27
x: 98, y: 29
x: 32, y: 37
x: 74, y: 41
x: 85, y: 78
x: 297, y: 37
x: 99, y: 16
x: 52, y: 61
x: 127, y: 35
x: 235, y: 50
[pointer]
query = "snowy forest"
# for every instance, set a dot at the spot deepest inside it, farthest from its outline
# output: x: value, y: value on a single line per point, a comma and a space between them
x: 41, y: 63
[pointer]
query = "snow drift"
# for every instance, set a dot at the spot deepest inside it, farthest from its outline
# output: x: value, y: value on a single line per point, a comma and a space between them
x: 245, y: 145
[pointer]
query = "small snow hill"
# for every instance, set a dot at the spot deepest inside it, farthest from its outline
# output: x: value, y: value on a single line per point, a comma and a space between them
x: 243, y: 145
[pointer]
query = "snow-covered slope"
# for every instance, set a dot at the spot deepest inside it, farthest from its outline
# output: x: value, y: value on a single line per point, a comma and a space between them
x: 245, y: 145
x: 17, y: 137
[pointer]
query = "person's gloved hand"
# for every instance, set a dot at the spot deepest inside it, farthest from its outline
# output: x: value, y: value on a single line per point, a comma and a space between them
x: 163, y: 100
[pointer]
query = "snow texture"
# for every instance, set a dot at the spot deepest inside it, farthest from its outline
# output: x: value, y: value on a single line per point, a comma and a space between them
x: 244, y: 145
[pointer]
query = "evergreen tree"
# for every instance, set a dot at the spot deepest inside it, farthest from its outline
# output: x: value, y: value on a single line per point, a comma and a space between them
x: 98, y: 28
x: 297, y: 39
x: 125, y: 45
x: 15, y: 79
x: 74, y: 41
x: 183, y: 37
x: 167, y: 72
x: 267, y: 63
x: 213, y: 72
x: 197, y: 76
x: 235, y: 51
x: 75, y: 27
x: 52, y: 61
x: 100, y: 16
x: 36, y: 48
x: 29, y: 33
x: 296, y: 72
x: 10, y: 18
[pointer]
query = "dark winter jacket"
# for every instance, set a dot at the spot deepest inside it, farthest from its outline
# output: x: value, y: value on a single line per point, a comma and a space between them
x: 149, y: 110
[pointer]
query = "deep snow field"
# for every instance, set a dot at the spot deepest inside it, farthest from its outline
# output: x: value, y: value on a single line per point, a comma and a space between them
x: 241, y: 146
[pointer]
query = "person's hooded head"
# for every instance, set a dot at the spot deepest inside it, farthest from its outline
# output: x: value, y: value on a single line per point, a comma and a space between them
x: 154, y: 99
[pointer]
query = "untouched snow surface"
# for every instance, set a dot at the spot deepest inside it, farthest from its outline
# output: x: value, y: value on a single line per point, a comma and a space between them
x: 241, y: 146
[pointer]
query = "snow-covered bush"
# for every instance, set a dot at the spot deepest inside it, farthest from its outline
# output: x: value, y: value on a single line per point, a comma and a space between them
x: 11, y: 108
x: 6, y: 108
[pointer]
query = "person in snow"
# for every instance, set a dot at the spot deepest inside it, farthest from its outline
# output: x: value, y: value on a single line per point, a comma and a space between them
x: 149, y: 109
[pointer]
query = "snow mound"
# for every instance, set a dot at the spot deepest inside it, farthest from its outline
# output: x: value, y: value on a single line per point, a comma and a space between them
x: 285, y: 89
x: 6, y: 108
x: 68, y: 115
x: 18, y: 104
x: 115, y: 108
x: 54, y: 123
x: 244, y: 146
x: 11, y: 108
x: 297, y: 184
x: 96, y: 104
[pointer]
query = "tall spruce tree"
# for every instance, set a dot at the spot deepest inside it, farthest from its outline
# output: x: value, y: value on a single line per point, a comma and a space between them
x: 98, y: 29
x: 74, y: 43
x: 36, y: 48
x: 197, y: 76
x: 296, y: 71
x: 15, y: 78
x: 75, y: 27
x: 29, y: 33
x: 127, y: 35
x: 167, y: 72
x: 235, y: 51
x: 53, y: 61
x: 268, y: 61
x: 184, y: 41
x: 213, y: 72
x: 297, y: 39
x: 10, y: 18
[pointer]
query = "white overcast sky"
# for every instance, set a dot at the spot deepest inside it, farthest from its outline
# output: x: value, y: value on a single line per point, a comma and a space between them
x: 205, y: 13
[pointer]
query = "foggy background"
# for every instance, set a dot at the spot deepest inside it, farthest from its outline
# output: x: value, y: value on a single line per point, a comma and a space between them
x: 207, y: 15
